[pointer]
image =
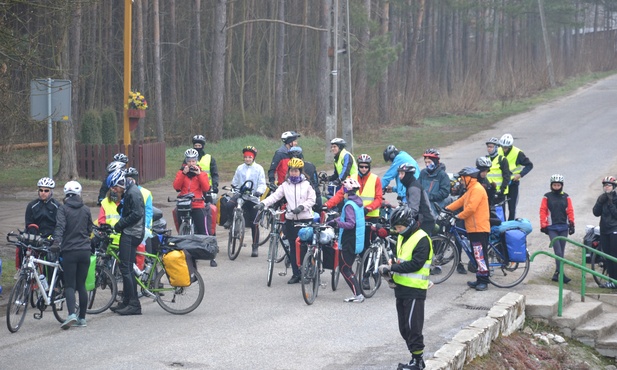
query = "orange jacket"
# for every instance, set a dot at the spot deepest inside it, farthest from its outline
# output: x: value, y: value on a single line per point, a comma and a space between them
x: 475, y: 208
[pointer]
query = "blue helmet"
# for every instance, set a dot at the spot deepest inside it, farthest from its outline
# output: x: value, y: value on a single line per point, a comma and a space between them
x: 116, y: 178
x: 296, y: 152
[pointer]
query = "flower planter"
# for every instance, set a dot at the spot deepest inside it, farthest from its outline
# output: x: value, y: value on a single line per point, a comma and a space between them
x: 134, y: 116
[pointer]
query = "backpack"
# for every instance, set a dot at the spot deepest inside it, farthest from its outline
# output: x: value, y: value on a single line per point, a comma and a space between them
x: 178, y: 264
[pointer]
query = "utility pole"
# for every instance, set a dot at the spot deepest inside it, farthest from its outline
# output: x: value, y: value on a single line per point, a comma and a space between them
x: 331, y: 124
x: 346, y: 100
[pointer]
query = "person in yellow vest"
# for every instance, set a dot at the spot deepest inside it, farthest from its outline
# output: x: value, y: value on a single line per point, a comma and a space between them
x: 498, y: 175
x: 520, y: 166
x: 344, y: 162
x: 408, y: 274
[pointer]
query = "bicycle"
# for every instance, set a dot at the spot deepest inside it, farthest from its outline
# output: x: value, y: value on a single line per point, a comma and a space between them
x: 502, y: 272
x: 236, y: 230
x: 277, y: 241
x: 598, y: 263
x: 265, y: 222
x: 51, y: 294
x: 153, y: 280
x: 312, y: 266
x: 183, y: 209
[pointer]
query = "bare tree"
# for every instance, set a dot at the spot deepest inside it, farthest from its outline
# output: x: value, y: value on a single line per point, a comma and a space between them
x: 217, y: 96
x: 158, y: 94
x: 280, y: 62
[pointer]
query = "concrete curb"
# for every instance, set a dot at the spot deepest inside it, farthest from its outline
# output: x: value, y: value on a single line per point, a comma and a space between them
x: 504, y: 318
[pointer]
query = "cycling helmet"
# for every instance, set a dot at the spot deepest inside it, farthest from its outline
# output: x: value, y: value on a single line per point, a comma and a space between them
x: 115, y: 165
x: 364, y: 158
x: 289, y: 136
x: 132, y: 172
x: 389, y: 153
x: 338, y: 142
x: 351, y: 184
x: 121, y: 157
x: 492, y: 140
x: 296, y: 152
x: 557, y: 178
x: 403, y: 216
x: 609, y: 180
x: 469, y: 171
x: 407, y: 167
x: 295, y: 163
x: 251, y: 149
x: 46, y: 182
x: 431, y: 153
x: 191, y: 154
x: 72, y: 188
x: 116, y: 178
x: 506, y: 140
x: 199, y: 139
x: 484, y: 163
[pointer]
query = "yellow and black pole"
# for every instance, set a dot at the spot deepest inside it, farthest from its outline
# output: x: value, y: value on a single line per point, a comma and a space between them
x: 128, y: 12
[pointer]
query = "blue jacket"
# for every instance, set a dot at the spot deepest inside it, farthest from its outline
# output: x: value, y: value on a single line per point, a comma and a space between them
x: 392, y: 173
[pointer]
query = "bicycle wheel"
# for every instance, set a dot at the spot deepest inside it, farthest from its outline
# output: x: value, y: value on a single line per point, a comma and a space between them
x: 178, y: 300
x: 502, y: 274
x: 336, y: 274
x: 370, y: 280
x: 598, y: 264
x: 264, y: 228
x: 104, y: 293
x: 185, y: 229
x: 272, y: 257
x: 18, y: 304
x: 58, y: 302
x: 283, y: 249
x: 310, y: 277
x: 445, y: 258
x: 236, y: 235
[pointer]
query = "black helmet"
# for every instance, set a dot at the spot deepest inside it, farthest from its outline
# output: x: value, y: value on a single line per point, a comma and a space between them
x: 338, y: 142
x: 404, y: 216
x: 288, y: 137
x: 407, y: 167
x: 121, y: 157
x: 132, y: 172
x: 469, y: 171
x: 199, y: 139
x: 390, y: 153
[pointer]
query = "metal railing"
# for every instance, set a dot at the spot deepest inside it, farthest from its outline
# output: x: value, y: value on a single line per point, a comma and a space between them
x: 584, y: 269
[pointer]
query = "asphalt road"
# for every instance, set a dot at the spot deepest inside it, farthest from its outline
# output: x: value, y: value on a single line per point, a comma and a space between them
x: 243, y: 324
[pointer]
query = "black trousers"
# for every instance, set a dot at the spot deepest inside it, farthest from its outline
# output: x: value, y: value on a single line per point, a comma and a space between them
x: 411, y: 323
x: 75, y: 265
x: 512, y: 199
x: 128, y: 249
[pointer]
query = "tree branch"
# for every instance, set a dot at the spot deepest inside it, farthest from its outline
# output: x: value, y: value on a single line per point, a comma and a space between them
x: 278, y: 21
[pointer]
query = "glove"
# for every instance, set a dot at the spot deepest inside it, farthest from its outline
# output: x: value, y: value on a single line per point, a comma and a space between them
x: 117, y: 228
x: 260, y: 207
x: 385, y: 270
x: 366, y: 211
x: 257, y: 194
x: 54, y: 248
x: 332, y: 223
x: 272, y: 186
x: 571, y: 229
x: 544, y: 230
x: 297, y: 210
x: 603, y: 198
x: 98, y: 203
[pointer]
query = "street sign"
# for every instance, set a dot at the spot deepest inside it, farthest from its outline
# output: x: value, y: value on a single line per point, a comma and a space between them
x: 60, y: 91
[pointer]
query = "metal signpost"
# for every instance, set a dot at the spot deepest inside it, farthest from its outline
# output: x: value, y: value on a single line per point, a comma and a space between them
x: 50, y: 99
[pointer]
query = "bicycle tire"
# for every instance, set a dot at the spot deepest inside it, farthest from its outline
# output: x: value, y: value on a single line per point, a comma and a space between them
x: 505, y: 275
x: 445, y: 258
x: 310, y: 278
x: 236, y: 235
x: 598, y: 264
x: 185, y: 229
x: 34, y: 297
x: 336, y: 274
x: 272, y: 257
x: 18, y: 304
x: 283, y: 249
x: 369, y: 272
x: 264, y: 228
x: 178, y: 300
x: 58, y: 302
x: 104, y: 293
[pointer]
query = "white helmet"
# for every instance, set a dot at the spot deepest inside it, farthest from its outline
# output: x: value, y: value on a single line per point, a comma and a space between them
x: 506, y: 140
x: 338, y: 142
x: 557, y: 178
x: 351, y: 184
x: 191, y: 153
x: 46, y: 182
x: 72, y: 187
x: 115, y: 166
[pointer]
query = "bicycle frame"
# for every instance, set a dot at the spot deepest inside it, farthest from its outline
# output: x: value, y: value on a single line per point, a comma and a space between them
x: 30, y: 266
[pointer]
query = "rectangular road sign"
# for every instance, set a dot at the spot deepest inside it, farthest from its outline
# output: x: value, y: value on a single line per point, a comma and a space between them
x: 60, y: 99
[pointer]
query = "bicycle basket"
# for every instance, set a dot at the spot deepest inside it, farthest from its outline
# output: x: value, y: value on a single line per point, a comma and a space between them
x: 326, y: 236
x: 306, y: 234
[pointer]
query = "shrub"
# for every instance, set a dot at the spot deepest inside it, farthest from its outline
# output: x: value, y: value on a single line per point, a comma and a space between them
x: 91, y: 128
x: 109, y: 126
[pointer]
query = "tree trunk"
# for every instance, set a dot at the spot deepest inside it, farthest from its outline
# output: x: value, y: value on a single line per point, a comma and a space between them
x: 365, y: 38
x: 173, y: 79
x: 322, y: 97
x: 158, y: 87
x: 197, y: 68
x: 384, y: 111
x: 218, y: 70
x: 280, y: 62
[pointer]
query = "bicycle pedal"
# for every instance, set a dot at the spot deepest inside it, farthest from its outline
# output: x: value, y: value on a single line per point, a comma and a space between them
x: 38, y: 315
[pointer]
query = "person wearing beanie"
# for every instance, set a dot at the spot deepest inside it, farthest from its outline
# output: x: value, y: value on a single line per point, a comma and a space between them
x: 557, y: 219
x: 434, y: 179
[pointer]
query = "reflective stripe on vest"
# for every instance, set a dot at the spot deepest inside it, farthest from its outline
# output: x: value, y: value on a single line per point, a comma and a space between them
x: 204, y: 164
x: 111, y: 211
x: 368, y: 193
x: 495, y: 176
x: 417, y: 279
x: 511, y: 157
x: 339, y: 163
x: 360, y: 225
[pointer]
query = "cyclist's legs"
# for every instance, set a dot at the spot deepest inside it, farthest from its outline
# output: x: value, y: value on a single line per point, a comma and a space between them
x: 411, y: 323
x: 512, y: 199
x: 347, y: 260
x: 127, y: 251
x: 609, y: 246
x: 479, y: 243
x: 75, y: 265
x: 199, y: 220
x: 250, y: 213
x: 291, y: 232
x: 559, y: 246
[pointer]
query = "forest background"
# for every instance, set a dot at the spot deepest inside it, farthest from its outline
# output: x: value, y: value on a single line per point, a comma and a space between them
x: 230, y: 68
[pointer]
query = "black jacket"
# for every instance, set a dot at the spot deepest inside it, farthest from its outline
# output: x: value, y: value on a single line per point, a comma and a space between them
x: 73, y: 225
x: 606, y: 208
x: 417, y: 200
x: 311, y: 174
x: 280, y: 154
x: 43, y: 214
x: 132, y: 211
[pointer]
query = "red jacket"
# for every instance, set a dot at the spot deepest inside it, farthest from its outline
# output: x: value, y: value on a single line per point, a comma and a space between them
x: 197, y: 185
x: 338, y: 196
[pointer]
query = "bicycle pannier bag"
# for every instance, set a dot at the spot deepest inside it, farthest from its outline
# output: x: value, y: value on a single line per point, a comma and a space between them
x: 91, y: 277
x: 516, y: 242
x: 177, y: 268
x: 201, y: 247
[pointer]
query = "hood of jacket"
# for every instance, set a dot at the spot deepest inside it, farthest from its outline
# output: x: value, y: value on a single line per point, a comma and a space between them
x: 74, y: 201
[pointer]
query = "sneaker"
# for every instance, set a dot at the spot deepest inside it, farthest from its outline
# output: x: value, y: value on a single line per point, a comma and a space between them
x: 416, y: 363
x: 436, y: 270
x: 129, y: 310
x: 472, y: 284
x: 461, y: 269
x: 566, y: 279
x: 119, y: 306
x: 80, y: 323
x: 255, y: 252
x: 608, y: 285
x: 430, y: 285
x: 69, y: 322
x: 17, y: 273
x: 294, y: 280
x: 481, y: 287
x: 555, y: 276
x: 213, y: 263
x: 357, y: 299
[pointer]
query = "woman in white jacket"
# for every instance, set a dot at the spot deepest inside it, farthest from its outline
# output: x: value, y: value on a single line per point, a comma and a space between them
x: 300, y: 197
